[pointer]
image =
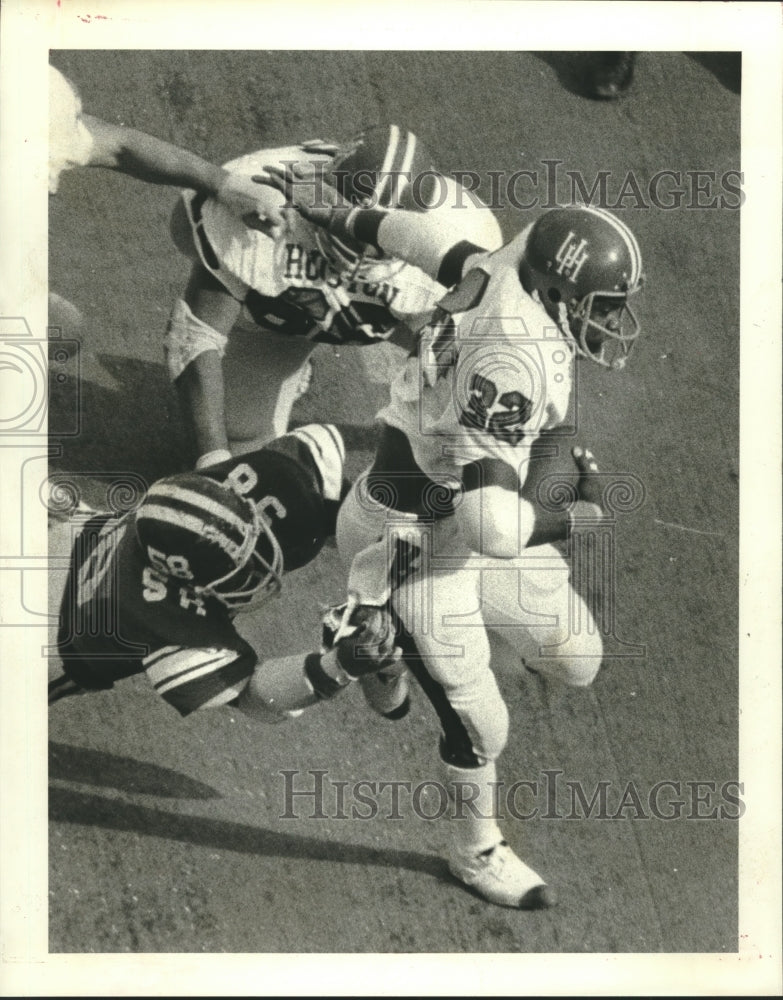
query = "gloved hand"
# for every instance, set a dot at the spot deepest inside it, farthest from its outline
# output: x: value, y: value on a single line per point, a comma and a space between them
x: 361, y: 637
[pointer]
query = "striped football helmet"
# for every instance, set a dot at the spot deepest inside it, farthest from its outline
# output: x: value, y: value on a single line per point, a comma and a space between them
x: 384, y: 166
x: 207, y: 537
x: 586, y: 262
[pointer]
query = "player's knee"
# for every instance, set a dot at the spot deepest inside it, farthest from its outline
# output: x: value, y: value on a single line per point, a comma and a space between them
x: 582, y: 672
x: 583, y: 668
x: 580, y: 667
x: 360, y: 522
x: 494, y: 735
x: 494, y: 522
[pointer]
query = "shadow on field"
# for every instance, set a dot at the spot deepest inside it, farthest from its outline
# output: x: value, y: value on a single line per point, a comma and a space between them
x: 726, y: 67
x: 94, y: 810
x: 571, y: 68
x: 107, y: 770
x: 136, y: 427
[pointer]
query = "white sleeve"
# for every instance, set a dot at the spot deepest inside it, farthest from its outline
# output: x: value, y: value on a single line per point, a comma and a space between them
x: 468, y: 216
x: 422, y: 239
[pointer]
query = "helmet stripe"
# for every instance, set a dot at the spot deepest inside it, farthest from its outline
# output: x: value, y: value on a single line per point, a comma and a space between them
x: 199, y: 527
x: 391, y: 152
x: 237, y: 535
x: 633, y: 247
x: 338, y: 440
x: 627, y: 235
x: 200, y: 502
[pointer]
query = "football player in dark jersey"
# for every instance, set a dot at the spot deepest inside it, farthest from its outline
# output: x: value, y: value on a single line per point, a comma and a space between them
x: 157, y: 589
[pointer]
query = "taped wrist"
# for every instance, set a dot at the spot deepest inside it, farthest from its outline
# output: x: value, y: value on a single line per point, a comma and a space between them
x: 361, y: 224
x: 186, y: 337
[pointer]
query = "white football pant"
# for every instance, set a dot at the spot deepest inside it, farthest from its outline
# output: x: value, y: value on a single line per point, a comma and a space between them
x: 447, y: 596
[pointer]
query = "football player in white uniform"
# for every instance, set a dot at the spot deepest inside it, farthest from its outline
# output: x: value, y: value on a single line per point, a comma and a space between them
x: 77, y: 139
x: 445, y: 522
x: 156, y: 590
x: 239, y: 341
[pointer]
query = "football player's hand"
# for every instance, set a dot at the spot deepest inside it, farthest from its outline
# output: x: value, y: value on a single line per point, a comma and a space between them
x: 306, y: 188
x: 364, y: 638
x: 590, y: 485
x: 259, y: 207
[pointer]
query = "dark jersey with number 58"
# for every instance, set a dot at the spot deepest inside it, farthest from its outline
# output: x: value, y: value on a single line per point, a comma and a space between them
x: 120, y: 615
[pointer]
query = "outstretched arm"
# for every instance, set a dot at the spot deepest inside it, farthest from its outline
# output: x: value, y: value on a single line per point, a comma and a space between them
x: 150, y: 159
x: 420, y: 238
x: 424, y: 239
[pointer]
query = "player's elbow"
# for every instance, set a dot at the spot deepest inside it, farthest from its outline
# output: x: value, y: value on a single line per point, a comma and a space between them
x: 495, y: 522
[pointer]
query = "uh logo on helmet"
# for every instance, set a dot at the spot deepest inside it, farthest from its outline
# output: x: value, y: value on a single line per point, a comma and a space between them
x: 214, y: 541
x: 587, y: 261
x: 384, y: 166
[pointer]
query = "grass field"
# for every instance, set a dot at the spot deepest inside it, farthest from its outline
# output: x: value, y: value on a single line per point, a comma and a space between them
x: 170, y: 835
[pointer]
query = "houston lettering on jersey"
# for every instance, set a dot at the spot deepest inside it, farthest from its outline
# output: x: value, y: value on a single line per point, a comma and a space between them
x: 324, y: 304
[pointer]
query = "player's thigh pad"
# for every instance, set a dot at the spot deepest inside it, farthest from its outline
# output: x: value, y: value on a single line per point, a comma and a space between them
x: 530, y: 603
x: 363, y: 521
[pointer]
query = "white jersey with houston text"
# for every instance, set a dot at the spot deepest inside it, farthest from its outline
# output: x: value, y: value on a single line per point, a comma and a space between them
x: 289, y: 285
